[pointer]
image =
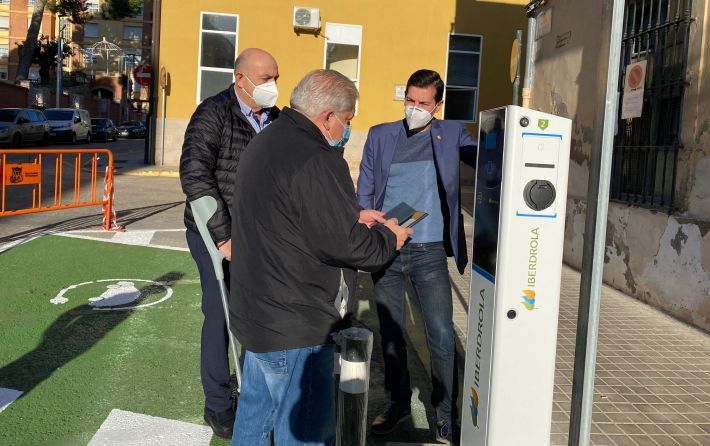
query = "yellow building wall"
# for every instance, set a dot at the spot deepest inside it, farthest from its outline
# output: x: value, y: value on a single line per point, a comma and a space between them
x: 497, y: 21
x: 398, y: 37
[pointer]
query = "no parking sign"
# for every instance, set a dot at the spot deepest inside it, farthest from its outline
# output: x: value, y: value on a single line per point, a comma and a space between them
x: 634, y: 86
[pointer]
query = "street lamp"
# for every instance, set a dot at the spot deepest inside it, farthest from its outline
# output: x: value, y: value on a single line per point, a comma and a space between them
x: 60, y: 44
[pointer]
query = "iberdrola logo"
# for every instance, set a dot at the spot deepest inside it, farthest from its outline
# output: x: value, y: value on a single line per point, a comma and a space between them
x: 529, y: 299
x: 474, y: 407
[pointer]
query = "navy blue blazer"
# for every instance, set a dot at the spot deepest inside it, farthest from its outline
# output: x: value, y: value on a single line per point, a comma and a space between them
x: 450, y: 140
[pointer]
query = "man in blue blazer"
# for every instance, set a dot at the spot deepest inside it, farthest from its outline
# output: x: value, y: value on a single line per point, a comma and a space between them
x: 416, y: 160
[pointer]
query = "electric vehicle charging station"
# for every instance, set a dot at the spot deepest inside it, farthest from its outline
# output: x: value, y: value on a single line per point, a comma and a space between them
x: 518, y: 226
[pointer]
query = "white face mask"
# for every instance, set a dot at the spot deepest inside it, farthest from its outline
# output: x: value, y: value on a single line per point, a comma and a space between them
x: 264, y: 95
x: 416, y: 117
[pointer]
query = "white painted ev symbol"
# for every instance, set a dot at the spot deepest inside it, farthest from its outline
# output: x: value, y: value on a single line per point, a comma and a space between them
x: 118, y: 294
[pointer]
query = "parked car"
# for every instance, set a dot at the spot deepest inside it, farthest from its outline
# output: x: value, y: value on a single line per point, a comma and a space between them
x: 69, y: 124
x: 20, y: 125
x: 103, y: 128
x: 132, y: 129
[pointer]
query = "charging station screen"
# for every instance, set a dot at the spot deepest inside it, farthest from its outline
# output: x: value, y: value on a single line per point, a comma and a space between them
x: 488, y: 188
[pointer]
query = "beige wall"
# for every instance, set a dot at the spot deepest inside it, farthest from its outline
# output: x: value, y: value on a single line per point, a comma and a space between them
x: 659, y: 258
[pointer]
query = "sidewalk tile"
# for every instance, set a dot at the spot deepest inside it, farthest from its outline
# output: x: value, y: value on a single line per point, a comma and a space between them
x: 652, y: 374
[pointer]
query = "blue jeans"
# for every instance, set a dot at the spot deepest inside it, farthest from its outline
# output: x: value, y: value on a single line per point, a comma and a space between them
x: 288, y: 394
x: 426, y: 266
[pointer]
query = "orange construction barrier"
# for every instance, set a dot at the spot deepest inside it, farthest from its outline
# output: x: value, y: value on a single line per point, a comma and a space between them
x: 30, y: 173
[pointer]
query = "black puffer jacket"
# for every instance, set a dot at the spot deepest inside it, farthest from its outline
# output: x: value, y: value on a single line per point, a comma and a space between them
x: 215, y: 138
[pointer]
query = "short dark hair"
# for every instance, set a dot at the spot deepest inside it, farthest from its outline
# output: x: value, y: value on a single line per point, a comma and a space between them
x: 427, y: 78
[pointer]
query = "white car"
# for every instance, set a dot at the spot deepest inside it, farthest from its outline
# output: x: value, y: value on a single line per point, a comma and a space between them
x: 69, y: 124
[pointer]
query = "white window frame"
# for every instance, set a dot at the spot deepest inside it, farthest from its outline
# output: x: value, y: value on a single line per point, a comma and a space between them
x: 6, y: 17
x: 4, y: 2
x: 477, y: 88
x: 3, y: 73
x: 97, y: 30
x: 329, y: 39
x: 90, y: 6
x: 6, y: 48
x: 199, y: 50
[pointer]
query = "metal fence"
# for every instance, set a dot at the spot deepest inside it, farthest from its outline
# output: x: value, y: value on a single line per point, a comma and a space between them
x: 41, y: 184
x: 646, y: 148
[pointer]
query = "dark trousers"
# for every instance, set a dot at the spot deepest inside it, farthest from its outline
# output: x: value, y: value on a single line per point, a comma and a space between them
x: 426, y: 266
x: 214, y: 359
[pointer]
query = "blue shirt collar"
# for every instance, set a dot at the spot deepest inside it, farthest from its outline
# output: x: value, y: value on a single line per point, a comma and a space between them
x: 256, y: 123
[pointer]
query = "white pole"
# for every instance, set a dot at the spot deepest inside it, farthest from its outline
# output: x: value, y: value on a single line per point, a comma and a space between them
x: 162, y: 131
x: 595, y: 227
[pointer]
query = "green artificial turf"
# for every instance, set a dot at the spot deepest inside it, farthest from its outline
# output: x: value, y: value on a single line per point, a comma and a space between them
x: 76, y: 364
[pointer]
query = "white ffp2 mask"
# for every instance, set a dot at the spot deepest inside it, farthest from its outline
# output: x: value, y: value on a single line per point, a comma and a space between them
x: 265, y: 95
x: 416, y: 117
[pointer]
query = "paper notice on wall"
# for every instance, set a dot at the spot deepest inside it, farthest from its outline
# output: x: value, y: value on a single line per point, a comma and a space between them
x: 634, y: 86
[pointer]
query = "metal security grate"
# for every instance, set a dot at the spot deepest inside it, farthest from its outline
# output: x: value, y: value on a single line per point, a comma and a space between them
x: 646, y: 148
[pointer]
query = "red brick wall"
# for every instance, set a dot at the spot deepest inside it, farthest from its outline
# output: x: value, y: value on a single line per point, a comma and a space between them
x: 12, y: 95
x: 16, y: 96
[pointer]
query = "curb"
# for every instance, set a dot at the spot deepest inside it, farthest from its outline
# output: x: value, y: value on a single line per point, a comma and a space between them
x: 150, y: 173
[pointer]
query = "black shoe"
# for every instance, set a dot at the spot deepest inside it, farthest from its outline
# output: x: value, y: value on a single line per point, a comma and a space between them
x: 388, y: 421
x: 447, y: 433
x: 222, y: 423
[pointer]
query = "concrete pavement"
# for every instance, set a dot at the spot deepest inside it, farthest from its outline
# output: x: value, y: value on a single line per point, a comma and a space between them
x: 652, y: 383
x: 653, y: 373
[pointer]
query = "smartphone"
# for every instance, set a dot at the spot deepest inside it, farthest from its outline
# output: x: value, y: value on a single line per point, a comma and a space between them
x: 416, y: 217
x: 406, y: 215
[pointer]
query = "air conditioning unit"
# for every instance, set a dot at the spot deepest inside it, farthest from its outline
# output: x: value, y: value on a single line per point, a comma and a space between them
x: 306, y: 18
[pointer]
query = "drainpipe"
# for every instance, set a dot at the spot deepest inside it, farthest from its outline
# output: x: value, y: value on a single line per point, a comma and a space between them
x: 516, y: 80
x: 532, y: 9
x: 60, y: 71
x: 149, y: 153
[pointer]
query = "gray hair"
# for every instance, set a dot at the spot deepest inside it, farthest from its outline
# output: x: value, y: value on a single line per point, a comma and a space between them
x: 322, y: 90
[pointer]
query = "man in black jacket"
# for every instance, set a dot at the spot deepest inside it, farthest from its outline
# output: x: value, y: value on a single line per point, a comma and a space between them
x: 216, y: 136
x: 299, y: 238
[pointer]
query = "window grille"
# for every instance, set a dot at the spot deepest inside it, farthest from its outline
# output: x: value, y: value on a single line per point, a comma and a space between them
x: 646, y: 148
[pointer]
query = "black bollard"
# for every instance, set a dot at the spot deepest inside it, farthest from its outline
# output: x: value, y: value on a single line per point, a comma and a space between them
x: 356, y: 349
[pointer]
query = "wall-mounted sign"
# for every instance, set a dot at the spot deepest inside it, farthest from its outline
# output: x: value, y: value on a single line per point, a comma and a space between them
x: 399, y: 92
x: 634, y: 86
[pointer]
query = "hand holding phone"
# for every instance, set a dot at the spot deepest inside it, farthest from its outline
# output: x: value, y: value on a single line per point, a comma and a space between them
x: 400, y: 232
